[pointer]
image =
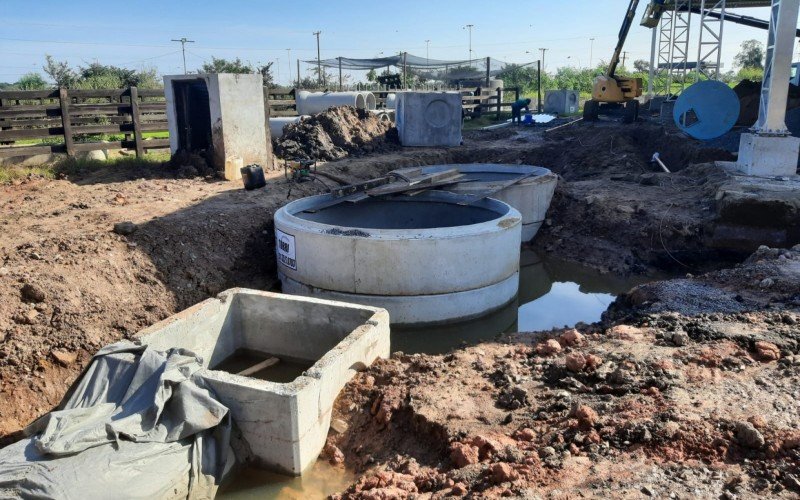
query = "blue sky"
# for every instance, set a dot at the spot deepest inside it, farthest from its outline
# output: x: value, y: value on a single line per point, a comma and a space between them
x: 137, y: 33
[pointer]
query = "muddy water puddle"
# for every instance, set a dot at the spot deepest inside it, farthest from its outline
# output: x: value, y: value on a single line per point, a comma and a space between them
x: 552, y: 294
x: 320, y: 481
x: 252, y: 364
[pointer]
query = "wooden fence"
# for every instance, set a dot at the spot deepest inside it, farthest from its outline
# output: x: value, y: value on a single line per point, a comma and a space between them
x: 73, y: 121
x: 70, y: 120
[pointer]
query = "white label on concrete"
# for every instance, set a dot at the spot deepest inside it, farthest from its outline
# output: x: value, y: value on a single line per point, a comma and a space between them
x: 285, y: 248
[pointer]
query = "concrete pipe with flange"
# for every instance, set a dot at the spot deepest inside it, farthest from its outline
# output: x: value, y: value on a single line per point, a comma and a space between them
x: 309, y: 103
x: 426, y: 258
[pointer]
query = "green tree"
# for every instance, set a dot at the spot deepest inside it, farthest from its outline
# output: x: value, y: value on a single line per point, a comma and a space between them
x: 372, y: 75
x: 641, y: 66
x: 751, y: 55
x: 59, y: 71
x: 31, y: 81
x: 222, y: 65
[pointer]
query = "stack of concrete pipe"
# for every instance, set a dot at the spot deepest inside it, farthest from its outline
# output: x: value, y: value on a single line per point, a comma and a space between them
x: 309, y: 103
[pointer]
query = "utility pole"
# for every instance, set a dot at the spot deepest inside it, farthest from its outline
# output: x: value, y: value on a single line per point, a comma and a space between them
x: 183, y: 41
x: 544, y: 50
x: 624, y: 56
x: 469, y: 28
x: 591, y: 50
x: 289, y: 58
x: 319, y: 61
x: 427, y: 52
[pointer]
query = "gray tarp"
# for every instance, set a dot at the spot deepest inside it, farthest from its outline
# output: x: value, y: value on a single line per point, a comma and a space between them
x: 138, y: 424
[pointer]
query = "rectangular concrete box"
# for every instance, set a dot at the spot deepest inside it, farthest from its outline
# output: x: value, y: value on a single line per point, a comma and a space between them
x: 428, y: 118
x: 561, y: 102
x: 284, y: 424
x: 237, y: 115
x: 768, y: 156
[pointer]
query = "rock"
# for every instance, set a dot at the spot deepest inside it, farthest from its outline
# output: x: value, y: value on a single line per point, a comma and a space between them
x: 758, y: 421
x: 585, y: 415
x: 680, y: 338
x: 462, y: 454
x: 502, y: 473
x: 571, y: 338
x: 526, y: 434
x: 65, y: 358
x: 459, y: 489
x: 791, y: 442
x: 29, y: 317
x: 748, y: 436
x: 339, y: 425
x: 513, y: 398
x: 766, y: 283
x: 593, y: 361
x: 33, y: 293
x: 625, y: 332
x: 125, y: 228
x: 548, y: 348
x: 767, y: 351
x: 96, y: 155
x: 575, y: 362
x: 334, y: 454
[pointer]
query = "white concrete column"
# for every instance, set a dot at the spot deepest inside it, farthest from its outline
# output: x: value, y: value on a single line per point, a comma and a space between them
x: 777, y: 71
x: 651, y: 76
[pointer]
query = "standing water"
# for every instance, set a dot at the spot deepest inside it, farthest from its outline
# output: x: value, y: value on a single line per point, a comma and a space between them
x: 552, y: 294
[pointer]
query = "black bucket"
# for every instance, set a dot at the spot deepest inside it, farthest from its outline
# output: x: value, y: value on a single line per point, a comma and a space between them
x: 253, y: 177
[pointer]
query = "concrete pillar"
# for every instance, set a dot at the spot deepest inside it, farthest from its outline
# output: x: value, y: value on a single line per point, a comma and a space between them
x: 651, y: 76
x: 769, y: 150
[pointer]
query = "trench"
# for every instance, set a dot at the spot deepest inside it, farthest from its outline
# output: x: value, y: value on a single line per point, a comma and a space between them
x: 553, y: 293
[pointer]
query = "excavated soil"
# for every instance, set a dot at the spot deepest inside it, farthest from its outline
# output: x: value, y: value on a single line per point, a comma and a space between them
x: 693, y: 395
x: 336, y: 133
x: 658, y: 406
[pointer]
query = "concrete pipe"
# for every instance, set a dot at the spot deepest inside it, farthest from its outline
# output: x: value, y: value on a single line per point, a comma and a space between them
x: 309, y: 103
x: 531, y: 196
x: 391, y: 101
x: 425, y: 258
x: 382, y: 115
x: 278, y: 123
x: 370, y: 100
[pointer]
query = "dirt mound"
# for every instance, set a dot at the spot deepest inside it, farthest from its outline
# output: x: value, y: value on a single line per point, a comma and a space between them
x: 673, y: 405
x: 585, y: 150
x: 336, y: 133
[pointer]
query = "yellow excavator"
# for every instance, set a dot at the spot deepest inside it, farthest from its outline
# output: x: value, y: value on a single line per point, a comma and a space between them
x: 613, y: 94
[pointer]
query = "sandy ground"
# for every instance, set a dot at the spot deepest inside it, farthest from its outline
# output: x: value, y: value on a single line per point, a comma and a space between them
x: 648, y: 414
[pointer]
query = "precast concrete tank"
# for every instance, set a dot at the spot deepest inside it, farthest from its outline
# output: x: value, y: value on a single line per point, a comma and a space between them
x: 530, y: 196
x: 425, y: 258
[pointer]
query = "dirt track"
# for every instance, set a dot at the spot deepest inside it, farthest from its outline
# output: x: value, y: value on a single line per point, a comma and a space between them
x: 69, y: 284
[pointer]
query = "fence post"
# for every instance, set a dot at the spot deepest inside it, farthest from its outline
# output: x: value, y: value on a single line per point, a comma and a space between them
x: 499, y: 102
x: 488, y: 72
x: 66, y: 124
x: 137, y: 127
x: 516, y: 94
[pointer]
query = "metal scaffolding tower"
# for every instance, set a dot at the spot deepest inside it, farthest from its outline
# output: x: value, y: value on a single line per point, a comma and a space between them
x: 709, y: 51
x: 664, y: 51
x: 679, y: 60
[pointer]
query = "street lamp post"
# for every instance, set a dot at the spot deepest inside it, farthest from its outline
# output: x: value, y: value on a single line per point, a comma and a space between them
x: 469, y: 28
x: 591, y: 51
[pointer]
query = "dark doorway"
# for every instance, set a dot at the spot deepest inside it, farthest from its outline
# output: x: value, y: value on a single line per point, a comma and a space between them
x: 193, y: 114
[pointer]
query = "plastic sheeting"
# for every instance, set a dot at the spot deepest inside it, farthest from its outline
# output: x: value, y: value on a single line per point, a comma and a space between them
x: 138, y: 424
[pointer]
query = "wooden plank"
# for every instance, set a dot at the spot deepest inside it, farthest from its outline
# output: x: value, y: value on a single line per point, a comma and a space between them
x: 137, y: 126
x: 151, y: 92
x: 99, y: 93
x: 31, y: 133
x: 12, y: 112
x: 63, y: 97
x: 155, y: 143
x: 103, y: 129
x: 29, y: 94
x: 11, y: 152
x: 262, y: 365
x: 94, y: 146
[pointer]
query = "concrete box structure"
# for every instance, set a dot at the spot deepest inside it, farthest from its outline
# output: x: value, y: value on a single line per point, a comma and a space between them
x: 223, y: 114
x: 561, y: 102
x: 768, y: 156
x: 284, y: 424
x: 428, y: 118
